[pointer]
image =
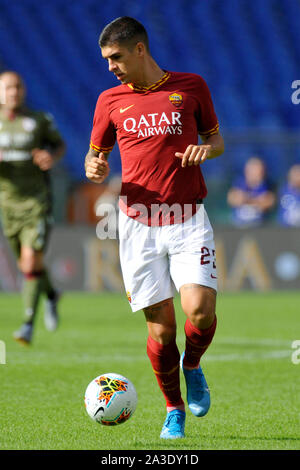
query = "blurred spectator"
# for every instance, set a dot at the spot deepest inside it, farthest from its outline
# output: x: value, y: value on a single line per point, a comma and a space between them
x: 251, y: 195
x: 289, y: 199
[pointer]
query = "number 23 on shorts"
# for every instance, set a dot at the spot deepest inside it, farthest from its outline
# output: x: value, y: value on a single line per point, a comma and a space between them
x: 209, y: 256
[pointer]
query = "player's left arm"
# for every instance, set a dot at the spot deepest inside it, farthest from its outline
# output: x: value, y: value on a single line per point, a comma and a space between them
x: 207, y: 125
x: 212, y: 147
x: 46, y: 159
x: 54, y: 147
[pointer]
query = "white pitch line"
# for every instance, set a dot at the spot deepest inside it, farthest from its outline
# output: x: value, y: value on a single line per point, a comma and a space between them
x: 247, y: 356
x: 247, y: 341
x: 254, y: 341
x: 38, y: 359
x: 43, y: 357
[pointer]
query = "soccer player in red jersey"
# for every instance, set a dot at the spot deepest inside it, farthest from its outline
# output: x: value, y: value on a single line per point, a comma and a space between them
x: 166, y: 239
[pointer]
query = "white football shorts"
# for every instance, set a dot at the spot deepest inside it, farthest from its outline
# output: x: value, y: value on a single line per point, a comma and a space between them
x: 156, y: 260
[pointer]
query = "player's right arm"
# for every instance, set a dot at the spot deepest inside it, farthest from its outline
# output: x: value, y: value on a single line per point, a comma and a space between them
x: 102, y: 141
x: 96, y: 166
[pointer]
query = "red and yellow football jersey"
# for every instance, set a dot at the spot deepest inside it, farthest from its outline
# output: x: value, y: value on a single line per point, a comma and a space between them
x: 150, y: 125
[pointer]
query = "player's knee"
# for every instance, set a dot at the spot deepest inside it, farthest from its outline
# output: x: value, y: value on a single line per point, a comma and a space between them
x: 198, y: 303
x: 161, y: 321
x: 200, y: 314
x: 27, y: 269
x: 161, y: 333
x: 200, y: 308
x: 166, y: 333
x: 24, y: 266
x: 29, y: 265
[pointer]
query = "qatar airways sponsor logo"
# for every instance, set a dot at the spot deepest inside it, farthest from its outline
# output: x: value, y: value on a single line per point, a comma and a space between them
x: 154, y: 124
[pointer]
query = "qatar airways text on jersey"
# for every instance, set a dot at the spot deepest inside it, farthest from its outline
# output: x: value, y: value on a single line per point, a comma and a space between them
x: 154, y: 124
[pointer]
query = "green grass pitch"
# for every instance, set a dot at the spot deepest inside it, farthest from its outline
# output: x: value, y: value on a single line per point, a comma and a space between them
x: 255, y: 386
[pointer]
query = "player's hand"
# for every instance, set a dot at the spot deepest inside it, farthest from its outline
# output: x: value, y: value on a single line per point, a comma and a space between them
x: 97, y: 168
x: 43, y: 159
x: 194, y: 155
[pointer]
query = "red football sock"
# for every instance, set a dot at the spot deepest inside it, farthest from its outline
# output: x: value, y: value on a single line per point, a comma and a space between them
x: 197, y: 342
x: 165, y: 363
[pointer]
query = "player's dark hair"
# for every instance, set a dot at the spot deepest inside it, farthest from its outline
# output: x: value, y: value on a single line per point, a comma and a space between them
x: 124, y: 30
x: 12, y: 72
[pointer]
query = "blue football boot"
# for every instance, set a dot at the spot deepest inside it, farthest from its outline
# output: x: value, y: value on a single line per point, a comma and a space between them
x: 198, y: 396
x: 173, y: 427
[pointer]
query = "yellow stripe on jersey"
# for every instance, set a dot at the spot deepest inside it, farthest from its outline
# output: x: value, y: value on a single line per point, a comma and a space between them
x: 212, y: 131
x: 154, y: 86
x: 101, y: 149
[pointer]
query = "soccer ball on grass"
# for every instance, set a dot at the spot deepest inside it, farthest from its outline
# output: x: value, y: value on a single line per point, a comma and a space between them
x: 110, y: 399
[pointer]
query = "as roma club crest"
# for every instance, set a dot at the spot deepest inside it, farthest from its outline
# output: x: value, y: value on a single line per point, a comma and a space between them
x: 176, y: 99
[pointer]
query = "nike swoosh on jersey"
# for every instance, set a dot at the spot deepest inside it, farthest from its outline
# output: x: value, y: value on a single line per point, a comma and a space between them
x: 122, y: 110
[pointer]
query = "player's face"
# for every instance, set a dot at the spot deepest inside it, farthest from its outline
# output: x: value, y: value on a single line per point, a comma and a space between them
x: 13, y: 91
x: 254, y: 171
x: 294, y: 176
x: 123, y: 62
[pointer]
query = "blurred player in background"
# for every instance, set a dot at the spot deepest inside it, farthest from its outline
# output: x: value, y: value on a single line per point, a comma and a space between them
x: 156, y: 117
x: 251, y: 196
x: 289, y: 199
x: 30, y: 145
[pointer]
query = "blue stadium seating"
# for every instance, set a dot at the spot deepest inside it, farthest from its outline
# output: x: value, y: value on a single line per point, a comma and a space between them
x: 247, y: 50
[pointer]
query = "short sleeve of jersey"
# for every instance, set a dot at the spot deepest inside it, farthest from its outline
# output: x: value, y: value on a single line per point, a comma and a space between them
x: 103, y: 135
x: 51, y: 135
x: 207, y: 121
